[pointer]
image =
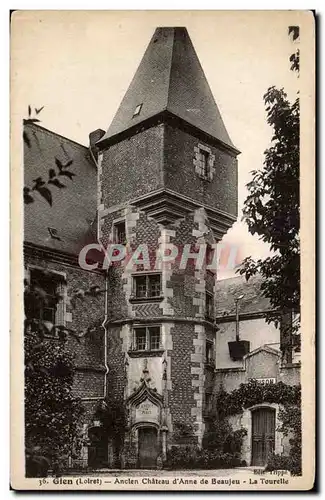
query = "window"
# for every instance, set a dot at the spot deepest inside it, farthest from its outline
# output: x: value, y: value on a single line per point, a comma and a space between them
x: 204, y: 162
x: 140, y: 339
x: 119, y: 233
x: 209, y: 305
x: 137, y: 110
x: 54, y: 233
x: 46, y: 304
x: 208, y: 401
x: 147, y: 285
x: 209, y: 354
x: 147, y: 338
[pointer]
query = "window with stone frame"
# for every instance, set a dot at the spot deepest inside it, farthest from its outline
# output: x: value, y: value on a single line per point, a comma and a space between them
x: 209, y: 352
x: 47, y: 297
x: 119, y: 232
x: 208, y: 402
x: 209, y: 309
x: 204, y: 162
x: 146, y: 338
x: 147, y: 286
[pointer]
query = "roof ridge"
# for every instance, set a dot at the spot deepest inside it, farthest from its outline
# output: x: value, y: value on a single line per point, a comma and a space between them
x: 44, y: 129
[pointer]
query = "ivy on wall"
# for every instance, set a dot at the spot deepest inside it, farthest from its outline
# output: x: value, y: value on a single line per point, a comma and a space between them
x: 254, y: 393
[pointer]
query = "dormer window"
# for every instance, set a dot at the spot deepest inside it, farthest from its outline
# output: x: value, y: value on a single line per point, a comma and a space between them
x: 54, y: 233
x: 137, y: 110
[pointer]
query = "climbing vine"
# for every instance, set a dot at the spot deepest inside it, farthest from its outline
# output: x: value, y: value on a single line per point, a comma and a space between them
x: 254, y: 393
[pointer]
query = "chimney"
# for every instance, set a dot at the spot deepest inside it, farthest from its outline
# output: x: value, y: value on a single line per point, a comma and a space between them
x: 94, y: 137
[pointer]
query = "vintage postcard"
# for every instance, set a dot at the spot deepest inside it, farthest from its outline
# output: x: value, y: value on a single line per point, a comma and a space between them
x: 162, y: 247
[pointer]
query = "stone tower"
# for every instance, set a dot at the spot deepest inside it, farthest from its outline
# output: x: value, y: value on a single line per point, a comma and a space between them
x: 167, y: 180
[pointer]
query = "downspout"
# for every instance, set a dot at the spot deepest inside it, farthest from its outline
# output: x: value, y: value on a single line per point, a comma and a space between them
x: 105, y: 333
x: 98, y: 165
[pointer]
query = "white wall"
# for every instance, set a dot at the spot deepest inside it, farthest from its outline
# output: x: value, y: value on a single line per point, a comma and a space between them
x: 256, y: 331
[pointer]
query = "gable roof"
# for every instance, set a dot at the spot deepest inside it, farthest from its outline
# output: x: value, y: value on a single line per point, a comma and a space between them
x: 252, y: 302
x: 73, y: 212
x: 170, y: 78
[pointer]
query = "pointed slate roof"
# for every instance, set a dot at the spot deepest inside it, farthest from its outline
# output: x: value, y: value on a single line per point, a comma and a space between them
x: 170, y: 78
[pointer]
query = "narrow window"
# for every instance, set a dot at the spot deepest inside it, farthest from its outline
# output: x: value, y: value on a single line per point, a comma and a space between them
x: 208, y: 401
x: 119, y: 233
x: 209, y: 305
x: 154, y: 285
x: 154, y: 336
x: 140, y: 339
x: 205, y: 162
x: 209, y: 352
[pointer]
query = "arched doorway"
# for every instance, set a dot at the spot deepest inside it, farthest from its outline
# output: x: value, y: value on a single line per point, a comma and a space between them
x: 147, y: 447
x: 98, y: 448
x: 263, y: 434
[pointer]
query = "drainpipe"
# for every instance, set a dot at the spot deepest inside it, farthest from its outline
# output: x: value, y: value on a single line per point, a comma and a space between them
x: 237, y: 299
x: 105, y: 330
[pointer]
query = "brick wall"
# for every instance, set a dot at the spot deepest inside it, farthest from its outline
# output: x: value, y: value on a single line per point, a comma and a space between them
x: 180, y: 176
x: 88, y: 312
x: 133, y: 167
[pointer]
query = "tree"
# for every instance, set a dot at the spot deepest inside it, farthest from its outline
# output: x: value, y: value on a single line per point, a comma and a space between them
x: 271, y: 209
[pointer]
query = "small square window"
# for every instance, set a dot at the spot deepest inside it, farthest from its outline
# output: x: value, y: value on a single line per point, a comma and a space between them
x: 147, y: 338
x: 147, y: 285
x: 137, y: 110
x: 46, y: 304
x: 119, y: 233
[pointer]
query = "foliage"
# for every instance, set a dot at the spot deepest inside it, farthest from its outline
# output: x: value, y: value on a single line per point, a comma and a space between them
x: 290, y: 416
x: 183, y: 431
x: 271, y: 209
x: 253, y: 393
x: 190, y: 457
x: 221, y: 437
x: 113, y: 417
x: 51, y: 411
x: 55, y: 174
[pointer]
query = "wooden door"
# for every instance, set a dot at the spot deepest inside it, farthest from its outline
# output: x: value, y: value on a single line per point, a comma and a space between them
x: 263, y: 435
x: 98, y: 449
x: 148, y: 447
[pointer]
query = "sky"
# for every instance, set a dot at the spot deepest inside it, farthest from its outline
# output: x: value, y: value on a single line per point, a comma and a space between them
x: 78, y: 65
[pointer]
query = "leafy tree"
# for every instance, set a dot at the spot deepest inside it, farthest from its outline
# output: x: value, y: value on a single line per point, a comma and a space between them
x: 271, y: 209
x: 113, y: 417
x: 51, y: 411
x: 55, y: 173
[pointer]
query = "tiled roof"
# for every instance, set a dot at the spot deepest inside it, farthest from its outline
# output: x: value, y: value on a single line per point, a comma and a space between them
x: 252, y: 302
x: 73, y: 213
x: 170, y: 77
